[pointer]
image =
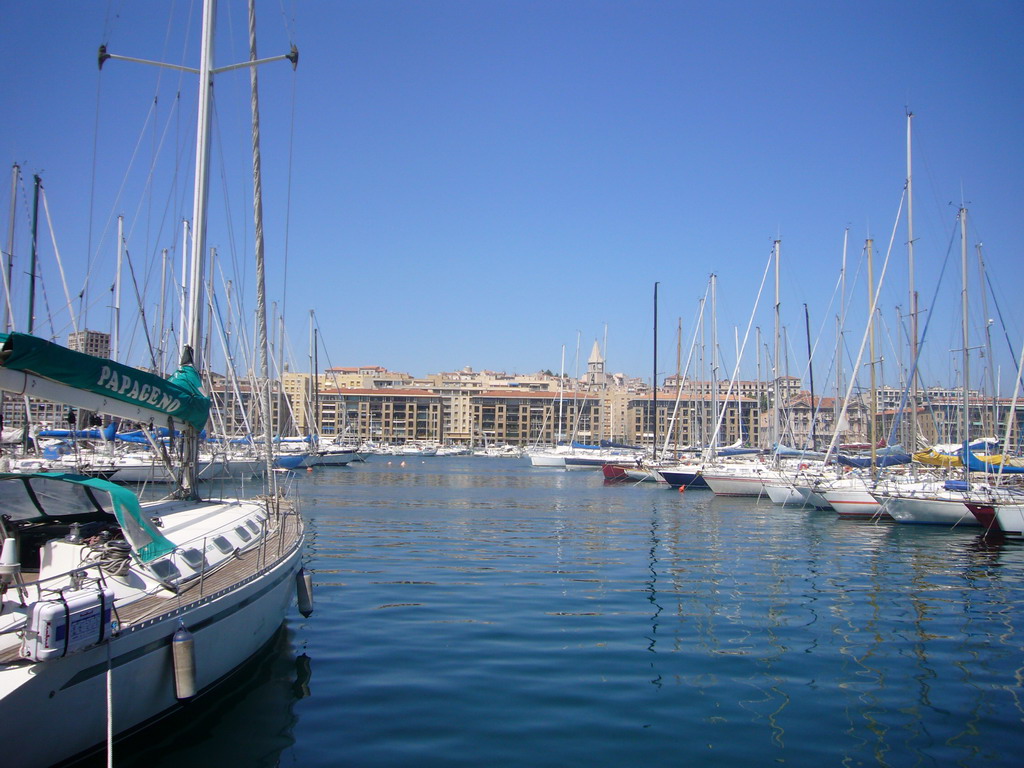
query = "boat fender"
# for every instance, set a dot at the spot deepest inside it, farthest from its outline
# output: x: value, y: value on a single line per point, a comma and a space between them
x: 682, y: 488
x: 10, y: 566
x: 184, y: 658
x: 304, y: 592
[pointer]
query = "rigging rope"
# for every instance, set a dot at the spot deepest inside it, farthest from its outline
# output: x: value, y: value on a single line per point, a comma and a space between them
x: 60, y: 263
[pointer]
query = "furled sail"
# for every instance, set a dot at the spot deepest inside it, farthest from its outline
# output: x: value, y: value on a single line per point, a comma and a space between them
x: 40, y: 368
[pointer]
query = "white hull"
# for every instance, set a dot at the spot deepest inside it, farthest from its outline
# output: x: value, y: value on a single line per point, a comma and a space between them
x: 38, y: 698
x: 853, y: 503
x: 784, y: 495
x: 329, y: 458
x: 642, y: 475
x: 556, y: 460
x: 741, y: 481
x: 155, y: 472
x: 929, y: 511
x: 55, y: 699
x: 810, y: 497
x: 1011, y: 519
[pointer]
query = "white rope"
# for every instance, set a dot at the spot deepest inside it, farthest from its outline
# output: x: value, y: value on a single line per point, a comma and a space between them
x: 110, y: 706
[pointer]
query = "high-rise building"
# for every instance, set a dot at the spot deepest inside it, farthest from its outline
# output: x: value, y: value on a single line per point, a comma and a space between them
x: 94, y: 343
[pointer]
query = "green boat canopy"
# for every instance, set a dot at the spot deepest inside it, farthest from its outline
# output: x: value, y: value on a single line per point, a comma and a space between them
x: 180, y: 396
x: 40, y: 496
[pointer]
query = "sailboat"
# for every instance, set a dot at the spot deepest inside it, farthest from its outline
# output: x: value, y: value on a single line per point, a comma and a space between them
x: 941, y: 502
x: 116, y: 611
x: 751, y: 478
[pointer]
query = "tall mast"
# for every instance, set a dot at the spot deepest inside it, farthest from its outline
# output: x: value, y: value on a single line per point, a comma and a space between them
x: 261, y: 290
x: 311, y: 390
x: 840, y: 333
x: 8, y: 266
x: 713, y: 421
x: 316, y: 384
x: 760, y: 380
x: 776, y: 423
x: 116, y: 345
x: 32, y: 263
x: 871, y: 355
x: 201, y: 190
x: 161, y: 317
x: 988, y: 342
x: 183, y: 288
x: 700, y: 408
x: 559, y: 430
x: 965, y: 436
x: 654, y: 382
x: 192, y: 336
x: 913, y: 292
x: 282, y: 422
x: 679, y: 379
x: 810, y: 368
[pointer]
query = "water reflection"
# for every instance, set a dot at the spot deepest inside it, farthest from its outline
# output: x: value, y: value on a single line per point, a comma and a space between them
x: 540, y: 617
x: 652, y: 591
x: 248, y: 721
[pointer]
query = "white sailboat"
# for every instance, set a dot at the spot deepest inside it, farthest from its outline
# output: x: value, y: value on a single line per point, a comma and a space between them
x: 115, y: 611
x: 746, y: 477
x: 941, y: 503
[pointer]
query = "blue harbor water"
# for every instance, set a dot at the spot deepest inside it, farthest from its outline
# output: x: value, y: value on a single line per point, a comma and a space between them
x: 479, y: 612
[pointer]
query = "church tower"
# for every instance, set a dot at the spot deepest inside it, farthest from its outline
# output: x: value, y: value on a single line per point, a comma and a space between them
x: 595, y: 367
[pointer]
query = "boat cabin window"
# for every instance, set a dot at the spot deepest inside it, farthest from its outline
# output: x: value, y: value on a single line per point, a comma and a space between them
x: 165, y: 570
x: 243, y: 534
x: 195, y: 559
x: 222, y: 544
x: 252, y: 525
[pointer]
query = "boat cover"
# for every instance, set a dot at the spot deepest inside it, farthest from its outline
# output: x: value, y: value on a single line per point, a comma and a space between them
x: 181, y: 396
x: 44, y: 495
x: 976, y: 464
x: 883, y: 460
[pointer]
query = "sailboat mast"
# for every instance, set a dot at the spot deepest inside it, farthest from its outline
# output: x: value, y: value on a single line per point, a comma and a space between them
x: 654, y: 382
x: 192, y: 336
x: 810, y: 369
x: 316, y: 384
x: 183, y: 288
x: 679, y: 380
x: 913, y: 292
x: 871, y: 354
x: 992, y: 383
x: 776, y: 421
x: 261, y: 290
x: 965, y: 337
x: 699, y: 403
x: 714, y: 364
x: 760, y: 380
x: 32, y: 263
x: 161, y: 316
x: 201, y: 190
x: 8, y: 266
x: 116, y: 345
x: 559, y: 428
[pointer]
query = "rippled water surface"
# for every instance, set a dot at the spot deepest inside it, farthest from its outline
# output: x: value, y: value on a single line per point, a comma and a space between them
x: 480, y: 612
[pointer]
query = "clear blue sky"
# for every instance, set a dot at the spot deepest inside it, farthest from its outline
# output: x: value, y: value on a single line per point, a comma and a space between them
x: 478, y: 183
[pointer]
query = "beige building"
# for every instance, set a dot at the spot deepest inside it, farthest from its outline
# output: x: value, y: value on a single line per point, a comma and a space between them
x: 94, y: 343
x: 472, y: 407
